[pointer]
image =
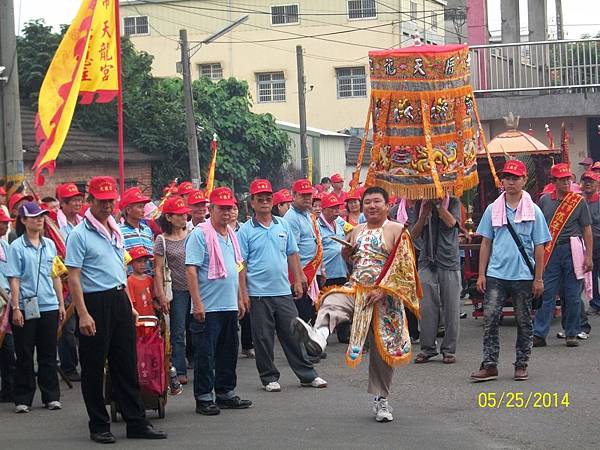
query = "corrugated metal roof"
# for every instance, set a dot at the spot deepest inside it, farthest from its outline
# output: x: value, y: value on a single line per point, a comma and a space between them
x: 353, y: 150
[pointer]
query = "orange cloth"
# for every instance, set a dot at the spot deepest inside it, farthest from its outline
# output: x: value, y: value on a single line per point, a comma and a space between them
x: 141, y: 294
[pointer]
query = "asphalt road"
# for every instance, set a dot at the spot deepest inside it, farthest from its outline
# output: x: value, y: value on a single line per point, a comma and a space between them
x: 435, y: 407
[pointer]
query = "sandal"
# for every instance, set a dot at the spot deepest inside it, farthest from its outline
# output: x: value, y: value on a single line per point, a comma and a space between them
x: 449, y: 359
x: 422, y: 358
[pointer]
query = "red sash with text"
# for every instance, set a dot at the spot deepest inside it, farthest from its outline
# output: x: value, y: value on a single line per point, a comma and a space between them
x: 559, y: 220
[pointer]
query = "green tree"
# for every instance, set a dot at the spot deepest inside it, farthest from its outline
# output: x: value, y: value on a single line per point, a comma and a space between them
x: 250, y: 145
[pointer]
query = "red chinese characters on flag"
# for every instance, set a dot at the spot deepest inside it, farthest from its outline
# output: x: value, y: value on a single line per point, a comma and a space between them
x: 99, y: 81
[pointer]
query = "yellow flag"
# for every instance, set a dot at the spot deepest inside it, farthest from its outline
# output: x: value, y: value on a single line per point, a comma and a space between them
x: 210, y: 179
x: 86, y: 62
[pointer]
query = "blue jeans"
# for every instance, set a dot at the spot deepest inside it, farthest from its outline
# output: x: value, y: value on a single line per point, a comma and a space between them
x: 215, y: 355
x: 559, y: 274
x: 180, y: 309
x: 595, y: 301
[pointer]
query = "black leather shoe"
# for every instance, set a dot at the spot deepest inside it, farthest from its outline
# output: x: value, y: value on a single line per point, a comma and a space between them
x: 146, y: 432
x: 233, y: 403
x: 207, y: 408
x: 105, y: 437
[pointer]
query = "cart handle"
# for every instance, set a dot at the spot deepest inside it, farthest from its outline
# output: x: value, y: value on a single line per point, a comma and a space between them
x: 147, y: 321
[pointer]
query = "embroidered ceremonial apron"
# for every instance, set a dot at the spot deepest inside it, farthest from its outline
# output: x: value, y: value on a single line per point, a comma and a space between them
x: 376, y: 267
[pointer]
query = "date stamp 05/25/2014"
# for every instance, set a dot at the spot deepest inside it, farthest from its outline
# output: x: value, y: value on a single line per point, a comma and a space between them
x: 523, y: 400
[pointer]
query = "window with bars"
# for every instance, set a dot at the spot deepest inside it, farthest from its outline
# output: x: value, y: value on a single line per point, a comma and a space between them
x: 214, y: 71
x: 434, y: 21
x: 284, y: 14
x: 137, y: 25
x: 351, y: 82
x: 413, y: 10
x: 270, y: 87
x: 362, y: 9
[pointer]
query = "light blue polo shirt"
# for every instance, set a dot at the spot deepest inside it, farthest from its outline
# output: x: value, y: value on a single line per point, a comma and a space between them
x: 101, y: 262
x: 302, y: 228
x: 220, y: 294
x: 335, y: 266
x: 23, y: 262
x: 265, y: 250
x: 4, y: 266
x: 506, y: 262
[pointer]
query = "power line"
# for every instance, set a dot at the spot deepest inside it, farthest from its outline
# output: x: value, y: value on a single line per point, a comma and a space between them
x: 297, y: 35
x: 259, y: 12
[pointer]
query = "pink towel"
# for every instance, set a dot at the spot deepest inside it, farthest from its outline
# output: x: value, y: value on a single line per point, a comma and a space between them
x: 216, y: 265
x: 578, y: 255
x: 112, y: 223
x: 525, y: 210
x: 62, y: 219
x: 327, y: 224
x: 402, y: 215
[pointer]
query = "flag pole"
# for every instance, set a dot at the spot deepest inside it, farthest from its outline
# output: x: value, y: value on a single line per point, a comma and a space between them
x: 120, y: 99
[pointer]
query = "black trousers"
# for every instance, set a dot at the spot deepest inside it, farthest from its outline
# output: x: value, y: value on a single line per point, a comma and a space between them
x: 8, y: 366
x: 246, y: 333
x: 306, y: 309
x: 114, y: 340
x: 37, y: 335
x: 67, y: 345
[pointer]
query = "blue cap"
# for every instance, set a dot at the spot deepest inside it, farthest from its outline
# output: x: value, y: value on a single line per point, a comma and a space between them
x: 31, y: 209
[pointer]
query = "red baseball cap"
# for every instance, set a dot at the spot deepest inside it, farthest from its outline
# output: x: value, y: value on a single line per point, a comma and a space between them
x: 196, y: 196
x: 356, y: 195
x: 596, y: 166
x: 282, y: 196
x: 302, y: 186
x: 330, y: 200
x: 3, y: 216
x: 514, y: 167
x: 16, y: 198
x: 103, y: 188
x: 260, y: 186
x: 67, y: 190
x: 131, y: 196
x: 591, y: 175
x: 336, y: 178
x: 561, y: 170
x: 185, y: 188
x: 2, y: 190
x: 138, y: 252
x: 318, y: 196
x: 175, y: 205
x: 222, y: 196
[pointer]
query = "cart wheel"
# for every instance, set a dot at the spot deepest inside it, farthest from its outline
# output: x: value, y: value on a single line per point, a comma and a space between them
x: 113, y: 412
x: 161, y: 407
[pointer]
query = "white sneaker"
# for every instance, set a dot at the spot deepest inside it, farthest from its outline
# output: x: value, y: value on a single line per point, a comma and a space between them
x: 561, y: 335
x: 249, y: 353
x: 583, y: 336
x: 316, y: 383
x: 53, y: 406
x: 383, y: 411
x: 273, y: 386
x: 22, y: 409
x: 314, y: 342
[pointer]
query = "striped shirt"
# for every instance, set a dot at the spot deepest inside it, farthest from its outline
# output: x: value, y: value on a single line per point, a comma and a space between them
x: 138, y: 237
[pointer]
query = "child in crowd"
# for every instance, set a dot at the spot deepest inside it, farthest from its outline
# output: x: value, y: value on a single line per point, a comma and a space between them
x: 140, y: 284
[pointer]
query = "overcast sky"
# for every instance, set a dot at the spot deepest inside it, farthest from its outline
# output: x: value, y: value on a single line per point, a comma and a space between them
x: 580, y: 16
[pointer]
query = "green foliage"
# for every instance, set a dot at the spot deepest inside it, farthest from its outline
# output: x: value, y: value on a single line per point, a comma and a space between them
x: 250, y: 145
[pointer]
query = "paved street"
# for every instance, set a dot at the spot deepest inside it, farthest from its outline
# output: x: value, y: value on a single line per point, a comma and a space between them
x: 435, y: 406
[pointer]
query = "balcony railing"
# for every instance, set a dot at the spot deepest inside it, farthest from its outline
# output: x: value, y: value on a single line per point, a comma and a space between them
x: 568, y: 66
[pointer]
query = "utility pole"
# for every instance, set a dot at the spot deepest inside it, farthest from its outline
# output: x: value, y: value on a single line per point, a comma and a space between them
x: 302, y: 111
x: 559, y: 21
x: 190, y: 124
x: 11, y: 146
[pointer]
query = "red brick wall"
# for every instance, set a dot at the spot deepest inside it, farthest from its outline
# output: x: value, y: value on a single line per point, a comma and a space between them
x: 81, y: 173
